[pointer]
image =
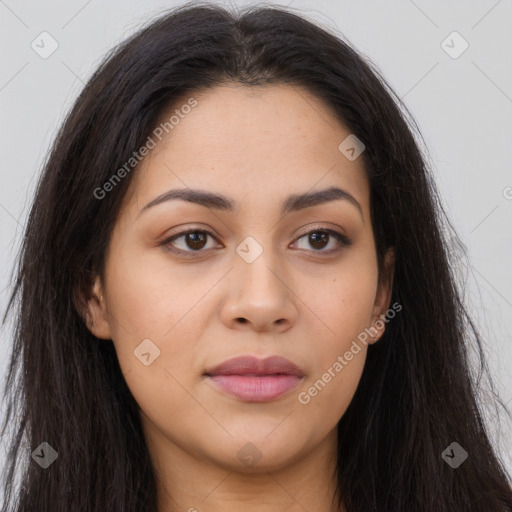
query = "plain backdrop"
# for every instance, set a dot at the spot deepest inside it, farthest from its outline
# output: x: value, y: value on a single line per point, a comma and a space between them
x: 461, y: 100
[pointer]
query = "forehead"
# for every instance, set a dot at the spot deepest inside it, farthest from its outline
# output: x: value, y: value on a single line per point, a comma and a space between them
x: 250, y: 143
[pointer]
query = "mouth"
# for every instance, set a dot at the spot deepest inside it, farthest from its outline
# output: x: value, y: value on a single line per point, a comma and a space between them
x: 256, y: 380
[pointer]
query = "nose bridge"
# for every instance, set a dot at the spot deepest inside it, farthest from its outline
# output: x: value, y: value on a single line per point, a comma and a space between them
x: 258, y: 263
x: 257, y: 292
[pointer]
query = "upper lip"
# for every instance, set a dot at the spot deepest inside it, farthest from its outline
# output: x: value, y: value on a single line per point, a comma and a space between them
x: 250, y: 365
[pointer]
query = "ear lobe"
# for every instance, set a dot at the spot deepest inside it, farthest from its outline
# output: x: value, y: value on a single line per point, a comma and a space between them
x: 383, y: 295
x: 97, y: 318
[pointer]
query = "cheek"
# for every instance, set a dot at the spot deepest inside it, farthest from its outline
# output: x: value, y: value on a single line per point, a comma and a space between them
x: 147, y: 296
x: 339, y: 356
x: 345, y: 301
x: 154, y: 307
x: 345, y: 307
x: 149, y: 299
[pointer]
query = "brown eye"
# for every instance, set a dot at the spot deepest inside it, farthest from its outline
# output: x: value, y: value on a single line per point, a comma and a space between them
x: 319, y: 239
x: 194, y: 240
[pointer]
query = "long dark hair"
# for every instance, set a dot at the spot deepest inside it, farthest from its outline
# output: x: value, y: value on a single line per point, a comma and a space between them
x: 417, y: 394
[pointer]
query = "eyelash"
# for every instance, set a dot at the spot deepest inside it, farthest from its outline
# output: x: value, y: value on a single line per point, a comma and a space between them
x: 343, y: 240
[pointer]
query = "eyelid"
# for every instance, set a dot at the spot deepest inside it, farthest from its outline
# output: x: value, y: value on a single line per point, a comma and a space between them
x: 343, y: 240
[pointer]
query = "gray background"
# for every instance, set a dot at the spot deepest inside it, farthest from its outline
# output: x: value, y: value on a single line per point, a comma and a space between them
x: 462, y: 105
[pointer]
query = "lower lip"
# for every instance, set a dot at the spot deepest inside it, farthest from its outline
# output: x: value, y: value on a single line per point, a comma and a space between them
x: 256, y: 389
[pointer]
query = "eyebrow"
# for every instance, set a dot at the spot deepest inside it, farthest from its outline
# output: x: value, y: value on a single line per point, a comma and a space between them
x: 292, y: 203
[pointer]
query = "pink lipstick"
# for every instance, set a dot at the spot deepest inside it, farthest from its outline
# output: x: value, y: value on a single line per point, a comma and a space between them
x: 256, y: 380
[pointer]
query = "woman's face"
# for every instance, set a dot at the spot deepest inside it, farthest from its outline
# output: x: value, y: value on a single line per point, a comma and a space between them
x: 266, y: 276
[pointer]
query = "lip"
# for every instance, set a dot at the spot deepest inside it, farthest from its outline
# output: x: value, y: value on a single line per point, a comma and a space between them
x: 256, y: 380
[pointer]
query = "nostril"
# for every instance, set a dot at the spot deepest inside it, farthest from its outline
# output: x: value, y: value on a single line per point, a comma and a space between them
x: 242, y: 320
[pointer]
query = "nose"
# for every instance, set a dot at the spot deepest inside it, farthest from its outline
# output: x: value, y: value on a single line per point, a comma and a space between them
x: 259, y: 297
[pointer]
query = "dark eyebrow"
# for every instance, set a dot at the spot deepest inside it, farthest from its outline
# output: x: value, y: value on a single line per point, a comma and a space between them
x: 301, y: 201
x: 292, y: 203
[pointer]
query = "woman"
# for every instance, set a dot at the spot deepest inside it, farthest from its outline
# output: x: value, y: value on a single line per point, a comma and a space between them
x: 234, y: 290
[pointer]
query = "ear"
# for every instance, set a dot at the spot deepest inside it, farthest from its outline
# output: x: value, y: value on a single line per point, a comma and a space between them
x: 97, y: 317
x: 383, y: 296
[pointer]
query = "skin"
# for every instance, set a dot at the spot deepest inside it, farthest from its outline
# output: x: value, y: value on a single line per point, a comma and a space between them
x: 256, y: 146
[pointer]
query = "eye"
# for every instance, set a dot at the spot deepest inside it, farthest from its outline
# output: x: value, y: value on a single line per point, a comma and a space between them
x: 319, y: 238
x: 194, y: 239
